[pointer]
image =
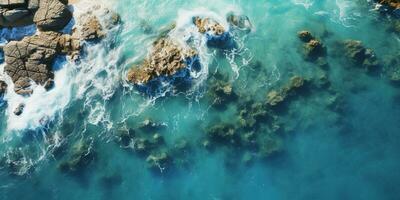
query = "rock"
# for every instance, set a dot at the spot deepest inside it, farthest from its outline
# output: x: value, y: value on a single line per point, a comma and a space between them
x: 215, y: 33
x: 305, y: 36
x: 167, y: 62
x: 295, y: 85
x: 31, y: 58
x: 394, y: 4
x: 15, y: 17
x: 313, y: 49
x: 52, y: 15
x: 3, y: 88
x: 221, y: 92
x: 359, y: 55
x: 33, y: 5
x: 81, y: 157
x: 15, y: 14
x: 274, y: 98
x: 91, y: 28
x: 239, y: 22
x: 19, y: 109
x: 223, y: 133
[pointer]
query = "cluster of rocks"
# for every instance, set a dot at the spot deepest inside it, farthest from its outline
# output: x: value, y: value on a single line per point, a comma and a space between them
x: 31, y: 59
x: 313, y: 48
x: 147, y: 143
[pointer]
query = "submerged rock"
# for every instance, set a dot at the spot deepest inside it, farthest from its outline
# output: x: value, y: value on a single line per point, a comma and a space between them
x: 313, y: 49
x: 276, y: 97
x: 168, y: 62
x: 360, y: 55
x: 31, y: 59
x: 82, y: 155
x: 239, y: 22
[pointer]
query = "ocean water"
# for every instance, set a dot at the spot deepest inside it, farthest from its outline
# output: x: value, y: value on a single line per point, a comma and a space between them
x: 337, y: 142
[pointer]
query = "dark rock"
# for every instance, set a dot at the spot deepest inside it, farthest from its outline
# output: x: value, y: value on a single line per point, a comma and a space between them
x: 3, y: 88
x: 215, y: 33
x: 19, y: 109
x: 52, y: 15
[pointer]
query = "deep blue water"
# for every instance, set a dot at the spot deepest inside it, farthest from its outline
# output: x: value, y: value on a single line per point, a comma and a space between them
x: 335, y: 142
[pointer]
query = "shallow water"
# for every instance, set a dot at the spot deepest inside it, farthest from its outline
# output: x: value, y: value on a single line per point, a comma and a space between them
x: 346, y: 152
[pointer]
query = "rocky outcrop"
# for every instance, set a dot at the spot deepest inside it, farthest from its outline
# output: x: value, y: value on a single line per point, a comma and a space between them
x: 52, y: 15
x: 217, y: 36
x: 31, y: 59
x: 166, y: 59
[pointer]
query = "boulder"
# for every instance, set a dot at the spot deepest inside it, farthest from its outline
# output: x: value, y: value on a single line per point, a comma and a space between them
x: 31, y: 59
x: 52, y: 15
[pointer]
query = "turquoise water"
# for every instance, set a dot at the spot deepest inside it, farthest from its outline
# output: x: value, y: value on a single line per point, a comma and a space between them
x: 337, y: 142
